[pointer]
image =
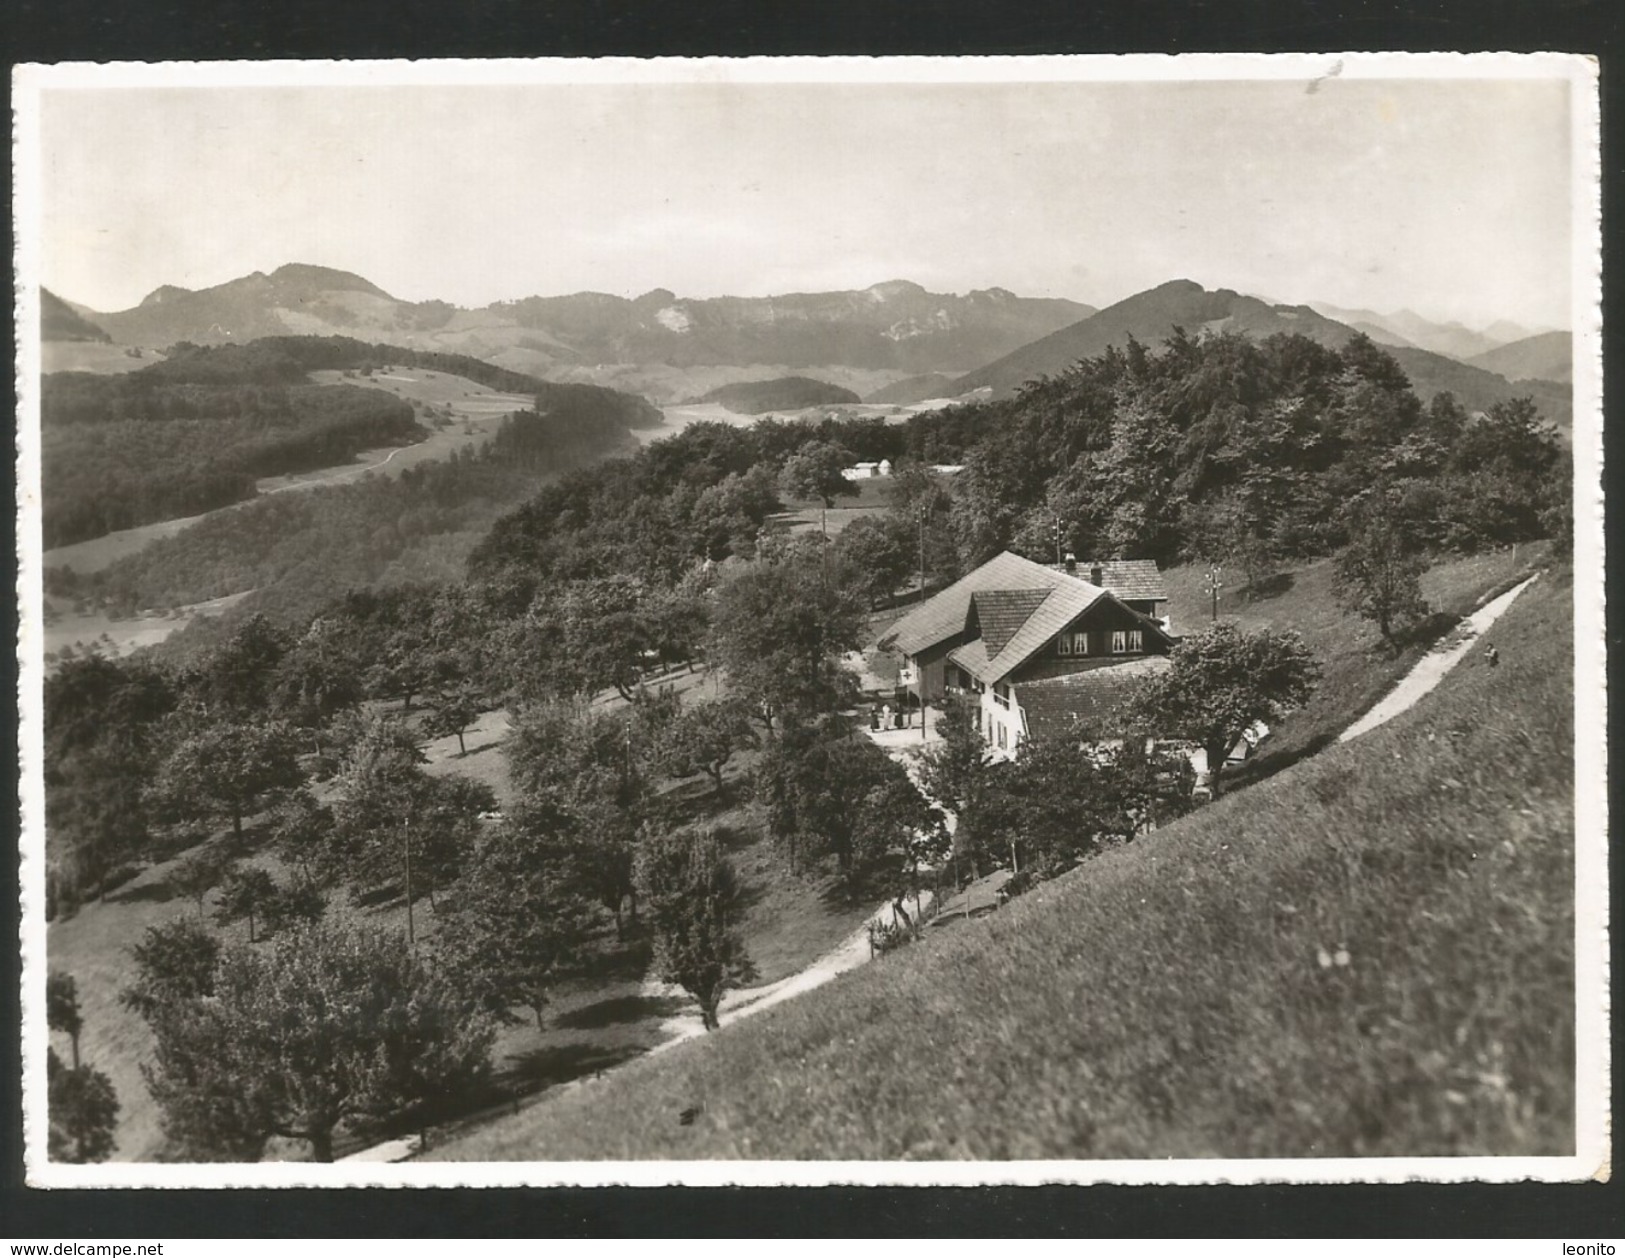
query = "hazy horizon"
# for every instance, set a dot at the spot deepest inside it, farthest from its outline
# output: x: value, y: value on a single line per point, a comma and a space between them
x: 1449, y: 198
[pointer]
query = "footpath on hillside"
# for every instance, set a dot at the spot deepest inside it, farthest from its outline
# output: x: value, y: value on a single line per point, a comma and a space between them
x: 1430, y: 670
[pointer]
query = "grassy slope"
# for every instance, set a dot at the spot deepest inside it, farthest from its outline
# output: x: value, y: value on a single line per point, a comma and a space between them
x: 1170, y: 999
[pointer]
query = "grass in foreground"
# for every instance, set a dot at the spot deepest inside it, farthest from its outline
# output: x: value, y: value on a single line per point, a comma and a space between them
x: 1368, y: 954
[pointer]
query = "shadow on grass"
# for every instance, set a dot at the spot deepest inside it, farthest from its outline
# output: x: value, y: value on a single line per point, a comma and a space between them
x: 158, y: 891
x: 373, y: 897
x: 1428, y: 631
x: 543, y: 1067
x: 623, y: 959
x: 1268, y: 763
x: 621, y: 1009
x: 868, y: 884
x: 1266, y: 588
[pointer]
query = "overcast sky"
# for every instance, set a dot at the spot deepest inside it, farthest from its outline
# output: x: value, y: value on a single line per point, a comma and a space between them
x: 1450, y: 198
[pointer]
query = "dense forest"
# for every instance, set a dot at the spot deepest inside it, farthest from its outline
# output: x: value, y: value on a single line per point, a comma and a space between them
x: 1225, y: 446
x: 114, y: 456
x: 196, y: 431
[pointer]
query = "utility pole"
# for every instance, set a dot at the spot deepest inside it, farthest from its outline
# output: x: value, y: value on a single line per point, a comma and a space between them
x: 924, y: 511
x: 1213, y: 585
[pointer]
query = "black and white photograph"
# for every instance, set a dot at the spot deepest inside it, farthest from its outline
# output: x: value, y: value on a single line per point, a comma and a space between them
x: 812, y: 621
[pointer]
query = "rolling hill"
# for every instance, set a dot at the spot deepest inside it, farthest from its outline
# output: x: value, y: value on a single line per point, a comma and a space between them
x: 1152, y: 315
x: 1549, y: 356
x: 789, y: 393
x: 61, y: 322
x: 898, y: 325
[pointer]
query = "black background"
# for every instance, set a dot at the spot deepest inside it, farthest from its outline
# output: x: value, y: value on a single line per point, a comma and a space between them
x: 149, y: 30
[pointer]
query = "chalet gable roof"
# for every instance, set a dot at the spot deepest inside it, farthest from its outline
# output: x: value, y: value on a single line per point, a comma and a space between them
x: 1058, y: 609
x: 999, y: 614
x: 1134, y: 580
x: 945, y: 615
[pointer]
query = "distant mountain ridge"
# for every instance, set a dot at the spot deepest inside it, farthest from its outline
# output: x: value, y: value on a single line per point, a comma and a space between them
x: 1406, y: 327
x: 1548, y: 356
x: 897, y: 325
x: 1150, y: 317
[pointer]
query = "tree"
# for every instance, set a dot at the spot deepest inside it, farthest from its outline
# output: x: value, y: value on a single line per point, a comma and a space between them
x: 898, y: 821
x: 518, y: 922
x: 605, y: 635
x: 874, y: 555
x: 248, y: 891
x: 197, y: 875
x: 704, y: 738
x: 391, y: 816
x: 236, y: 679
x: 814, y: 471
x: 830, y: 791
x: 954, y: 771
x: 62, y: 1009
x: 454, y: 713
x: 223, y: 770
x: 175, y: 960
x: 83, y: 1112
x: 300, y: 902
x: 1066, y: 799
x: 302, y: 832
x: 1219, y: 683
x: 327, y: 1025
x: 694, y: 903
x: 1378, y: 579
x: 779, y: 632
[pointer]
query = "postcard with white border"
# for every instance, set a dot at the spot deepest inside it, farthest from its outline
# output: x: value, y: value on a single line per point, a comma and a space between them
x: 812, y: 621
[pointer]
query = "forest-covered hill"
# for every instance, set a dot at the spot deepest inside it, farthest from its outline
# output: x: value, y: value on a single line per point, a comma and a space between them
x: 1151, y: 316
x: 788, y: 393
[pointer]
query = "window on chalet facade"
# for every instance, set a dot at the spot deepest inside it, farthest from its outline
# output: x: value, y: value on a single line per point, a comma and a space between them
x: 1127, y: 640
x: 1073, y: 642
x: 1001, y: 694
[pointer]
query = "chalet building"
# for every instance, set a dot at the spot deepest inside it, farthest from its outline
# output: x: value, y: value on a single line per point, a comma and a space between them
x: 868, y: 471
x: 1043, y: 647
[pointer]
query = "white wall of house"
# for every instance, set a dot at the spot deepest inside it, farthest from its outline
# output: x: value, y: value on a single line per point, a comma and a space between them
x: 1002, y: 723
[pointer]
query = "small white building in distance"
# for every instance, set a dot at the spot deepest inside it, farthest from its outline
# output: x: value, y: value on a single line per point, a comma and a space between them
x: 867, y: 471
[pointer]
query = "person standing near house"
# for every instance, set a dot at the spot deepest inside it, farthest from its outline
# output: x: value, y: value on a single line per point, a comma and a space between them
x: 1493, y: 656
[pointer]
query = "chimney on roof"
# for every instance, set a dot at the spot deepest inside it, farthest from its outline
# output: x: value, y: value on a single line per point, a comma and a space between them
x: 1096, y: 576
x: 1071, y: 563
